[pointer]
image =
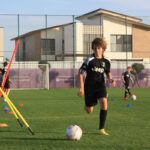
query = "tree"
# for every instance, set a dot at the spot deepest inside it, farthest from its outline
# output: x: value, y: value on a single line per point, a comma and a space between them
x: 137, y: 67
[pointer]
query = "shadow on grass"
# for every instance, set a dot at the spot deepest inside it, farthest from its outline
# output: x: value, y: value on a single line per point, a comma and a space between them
x: 21, y: 138
x: 11, y: 131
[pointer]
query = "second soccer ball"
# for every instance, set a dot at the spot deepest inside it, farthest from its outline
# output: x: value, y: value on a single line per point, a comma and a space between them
x: 133, y: 97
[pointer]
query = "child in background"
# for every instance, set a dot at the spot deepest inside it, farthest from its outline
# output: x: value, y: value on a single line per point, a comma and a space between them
x: 126, y: 77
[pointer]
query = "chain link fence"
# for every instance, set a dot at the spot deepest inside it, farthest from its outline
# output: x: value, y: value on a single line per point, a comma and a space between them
x: 64, y: 41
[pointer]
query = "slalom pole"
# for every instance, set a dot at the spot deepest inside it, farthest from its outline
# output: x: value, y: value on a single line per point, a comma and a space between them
x: 12, y: 109
x: 4, y: 81
x: 15, y: 110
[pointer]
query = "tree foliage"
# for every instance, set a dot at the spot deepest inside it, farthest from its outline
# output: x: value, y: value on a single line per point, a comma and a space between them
x: 138, y: 67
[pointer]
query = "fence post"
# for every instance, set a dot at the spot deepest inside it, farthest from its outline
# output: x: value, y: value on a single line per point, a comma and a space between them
x: 74, y: 77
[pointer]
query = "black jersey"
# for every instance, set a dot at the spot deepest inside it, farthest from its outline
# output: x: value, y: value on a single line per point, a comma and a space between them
x: 7, y: 84
x: 95, y: 69
x: 4, y: 73
x: 127, y: 76
x: 1, y: 79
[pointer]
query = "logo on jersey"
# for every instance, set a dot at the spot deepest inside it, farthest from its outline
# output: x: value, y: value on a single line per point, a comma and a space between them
x: 96, y: 69
x: 103, y: 64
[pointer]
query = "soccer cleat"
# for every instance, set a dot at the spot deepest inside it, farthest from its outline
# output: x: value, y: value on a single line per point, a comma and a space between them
x: 131, y: 94
x: 125, y: 98
x: 103, y: 132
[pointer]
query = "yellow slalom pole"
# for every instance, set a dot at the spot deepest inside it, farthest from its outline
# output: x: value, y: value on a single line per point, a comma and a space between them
x: 15, y: 109
x: 9, y: 104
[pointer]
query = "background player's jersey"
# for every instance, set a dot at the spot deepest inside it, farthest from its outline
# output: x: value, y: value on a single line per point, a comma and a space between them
x: 1, y: 79
x: 127, y: 76
x: 4, y: 73
x: 95, y: 69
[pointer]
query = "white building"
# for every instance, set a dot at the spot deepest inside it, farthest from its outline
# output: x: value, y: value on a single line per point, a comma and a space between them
x: 1, y: 45
x: 72, y: 41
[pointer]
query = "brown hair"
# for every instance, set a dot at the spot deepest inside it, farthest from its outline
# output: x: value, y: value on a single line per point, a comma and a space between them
x: 5, y: 63
x: 129, y: 67
x: 99, y: 42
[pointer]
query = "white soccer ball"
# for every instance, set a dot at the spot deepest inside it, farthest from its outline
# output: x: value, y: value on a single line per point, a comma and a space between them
x: 74, y: 132
x: 133, y: 97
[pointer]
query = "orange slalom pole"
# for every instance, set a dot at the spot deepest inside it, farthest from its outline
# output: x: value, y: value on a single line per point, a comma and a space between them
x: 4, y: 81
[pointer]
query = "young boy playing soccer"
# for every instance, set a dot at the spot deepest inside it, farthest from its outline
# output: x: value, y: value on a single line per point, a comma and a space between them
x: 94, y: 87
x: 7, y: 83
x: 1, y: 77
x: 126, y: 77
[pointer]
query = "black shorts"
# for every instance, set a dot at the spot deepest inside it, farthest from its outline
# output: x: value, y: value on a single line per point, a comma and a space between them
x: 126, y: 85
x: 7, y: 85
x: 93, y: 94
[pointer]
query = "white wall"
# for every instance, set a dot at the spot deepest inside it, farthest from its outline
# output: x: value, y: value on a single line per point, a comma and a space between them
x: 79, y: 40
x: 1, y: 45
x: 68, y: 38
x: 118, y: 55
x: 54, y: 33
x: 91, y: 21
x: 112, y: 26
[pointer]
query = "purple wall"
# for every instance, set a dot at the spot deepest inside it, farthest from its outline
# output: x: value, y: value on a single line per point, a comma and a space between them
x: 64, y: 78
x: 26, y: 78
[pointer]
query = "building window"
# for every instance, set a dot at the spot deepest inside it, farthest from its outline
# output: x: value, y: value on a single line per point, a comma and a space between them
x: 48, y: 46
x: 88, y: 38
x: 121, y: 43
x: 90, y: 32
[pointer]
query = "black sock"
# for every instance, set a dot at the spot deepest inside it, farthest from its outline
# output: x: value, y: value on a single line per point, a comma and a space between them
x: 125, y: 94
x: 129, y: 91
x: 103, y: 114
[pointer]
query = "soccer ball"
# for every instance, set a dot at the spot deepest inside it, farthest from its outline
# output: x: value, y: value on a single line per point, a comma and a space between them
x: 133, y: 97
x: 74, y: 132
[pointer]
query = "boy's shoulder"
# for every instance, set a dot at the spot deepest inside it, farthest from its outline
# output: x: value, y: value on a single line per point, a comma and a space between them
x: 106, y: 59
x: 89, y: 58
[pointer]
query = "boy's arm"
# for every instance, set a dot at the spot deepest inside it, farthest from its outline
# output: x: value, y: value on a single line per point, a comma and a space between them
x: 132, y: 80
x: 123, y: 79
x: 110, y: 79
x: 81, y: 90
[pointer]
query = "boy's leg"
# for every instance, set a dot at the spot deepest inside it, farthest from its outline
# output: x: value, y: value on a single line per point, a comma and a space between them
x: 126, y: 91
x: 103, y: 115
x: 129, y: 92
x: 125, y: 94
x: 89, y: 110
x: 7, y: 91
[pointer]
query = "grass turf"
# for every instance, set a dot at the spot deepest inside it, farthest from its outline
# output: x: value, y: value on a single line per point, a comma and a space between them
x: 49, y: 113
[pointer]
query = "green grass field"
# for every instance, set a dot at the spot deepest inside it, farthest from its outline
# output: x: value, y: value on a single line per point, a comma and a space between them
x: 49, y: 113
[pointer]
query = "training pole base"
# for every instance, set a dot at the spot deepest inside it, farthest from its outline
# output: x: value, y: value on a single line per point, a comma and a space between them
x: 31, y: 131
x: 20, y: 123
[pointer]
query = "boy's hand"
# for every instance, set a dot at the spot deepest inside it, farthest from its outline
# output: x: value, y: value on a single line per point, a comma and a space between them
x: 81, y: 92
x: 114, y: 83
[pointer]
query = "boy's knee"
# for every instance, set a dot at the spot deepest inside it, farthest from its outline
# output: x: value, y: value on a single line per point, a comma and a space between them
x: 89, y: 110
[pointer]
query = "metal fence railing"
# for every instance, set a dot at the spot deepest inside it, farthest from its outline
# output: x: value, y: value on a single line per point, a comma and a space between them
x: 65, y: 41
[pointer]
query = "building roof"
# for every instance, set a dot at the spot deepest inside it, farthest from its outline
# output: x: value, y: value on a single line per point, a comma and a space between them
x: 108, y: 12
x: 138, y: 24
x: 39, y: 30
x: 130, y: 19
